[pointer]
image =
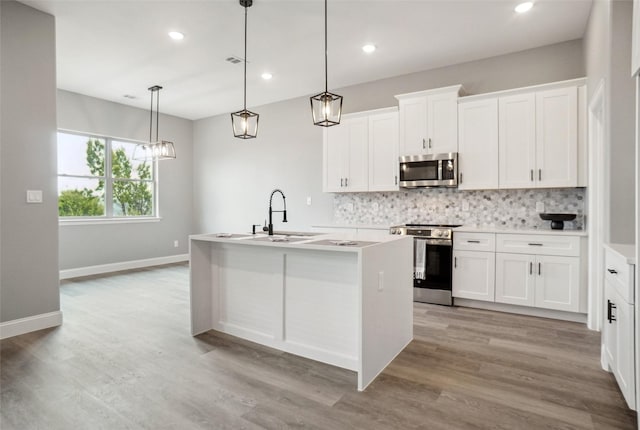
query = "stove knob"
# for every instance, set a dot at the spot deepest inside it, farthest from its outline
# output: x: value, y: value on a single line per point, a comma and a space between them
x: 437, y: 233
x: 445, y: 233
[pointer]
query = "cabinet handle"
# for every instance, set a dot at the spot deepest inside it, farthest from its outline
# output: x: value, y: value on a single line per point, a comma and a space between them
x: 539, y: 269
x: 610, y: 307
x: 531, y: 175
x: 396, y: 179
x: 612, y: 271
x: 530, y: 268
x: 424, y: 143
x: 473, y: 241
x: 342, y: 182
x: 455, y: 262
x: 429, y: 143
x: 460, y: 177
x: 346, y: 182
x: 534, y: 244
x: 539, y: 174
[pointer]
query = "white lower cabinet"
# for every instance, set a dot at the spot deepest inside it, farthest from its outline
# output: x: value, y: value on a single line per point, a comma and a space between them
x: 543, y: 281
x: 618, y: 331
x: 474, y: 275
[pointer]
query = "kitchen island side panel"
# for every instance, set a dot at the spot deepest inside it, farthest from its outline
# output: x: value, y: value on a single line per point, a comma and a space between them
x: 387, y: 306
x: 200, y: 291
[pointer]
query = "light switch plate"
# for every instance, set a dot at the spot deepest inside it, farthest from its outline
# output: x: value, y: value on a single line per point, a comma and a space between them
x: 540, y: 207
x: 34, y: 196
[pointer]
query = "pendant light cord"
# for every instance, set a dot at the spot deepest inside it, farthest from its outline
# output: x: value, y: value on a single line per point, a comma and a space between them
x: 326, y: 69
x: 245, y: 56
x: 157, y: 113
x: 151, y: 119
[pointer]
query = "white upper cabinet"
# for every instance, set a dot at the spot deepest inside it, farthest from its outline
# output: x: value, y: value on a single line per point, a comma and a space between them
x: 538, y: 139
x: 517, y: 137
x: 346, y: 148
x: 635, y: 56
x: 429, y: 121
x: 478, y: 145
x: 557, y: 138
x: 383, y: 152
x: 361, y: 153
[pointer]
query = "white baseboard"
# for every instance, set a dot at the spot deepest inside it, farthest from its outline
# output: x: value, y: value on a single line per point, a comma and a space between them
x: 124, y: 265
x: 522, y: 310
x: 29, y: 324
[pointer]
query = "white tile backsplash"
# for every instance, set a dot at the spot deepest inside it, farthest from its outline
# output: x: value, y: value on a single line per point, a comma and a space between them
x: 495, y: 208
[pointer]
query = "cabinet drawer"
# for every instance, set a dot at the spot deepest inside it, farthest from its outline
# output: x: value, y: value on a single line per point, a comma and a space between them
x: 474, y: 241
x: 620, y: 274
x: 538, y: 244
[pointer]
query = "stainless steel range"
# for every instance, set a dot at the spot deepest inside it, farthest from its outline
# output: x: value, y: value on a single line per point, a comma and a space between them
x: 432, y: 256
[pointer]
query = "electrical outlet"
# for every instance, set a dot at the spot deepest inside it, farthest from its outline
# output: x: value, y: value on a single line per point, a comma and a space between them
x: 375, y: 206
x: 34, y: 196
x: 309, y: 201
x: 176, y: 243
x: 540, y: 207
x: 465, y: 206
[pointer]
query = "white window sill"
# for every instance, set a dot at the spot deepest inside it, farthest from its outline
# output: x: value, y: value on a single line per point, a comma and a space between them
x: 93, y: 221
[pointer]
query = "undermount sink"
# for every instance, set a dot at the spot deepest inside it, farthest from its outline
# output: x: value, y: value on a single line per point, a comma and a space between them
x: 278, y: 238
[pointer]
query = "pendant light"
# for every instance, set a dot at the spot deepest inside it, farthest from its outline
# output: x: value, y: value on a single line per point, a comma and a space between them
x: 155, y: 149
x: 326, y: 107
x: 244, y: 122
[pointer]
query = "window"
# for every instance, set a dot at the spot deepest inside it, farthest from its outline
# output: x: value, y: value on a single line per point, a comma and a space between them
x: 98, y: 177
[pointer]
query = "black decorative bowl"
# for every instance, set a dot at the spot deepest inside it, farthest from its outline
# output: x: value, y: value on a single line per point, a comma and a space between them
x: 557, y: 220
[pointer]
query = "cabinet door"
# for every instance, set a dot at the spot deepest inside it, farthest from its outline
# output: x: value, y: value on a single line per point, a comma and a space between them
x: 625, y: 354
x: 557, y: 282
x: 442, y: 123
x: 517, y: 138
x: 336, y: 156
x: 474, y: 275
x: 609, y: 328
x: 478, y: 145
x: 557, y: 138
x: 413, y: 126
x: 383, y: 152
x: 515, y: 279
x: 357, y: 177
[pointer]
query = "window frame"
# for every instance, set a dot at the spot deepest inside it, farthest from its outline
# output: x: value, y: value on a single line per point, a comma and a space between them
x: 108, y: 217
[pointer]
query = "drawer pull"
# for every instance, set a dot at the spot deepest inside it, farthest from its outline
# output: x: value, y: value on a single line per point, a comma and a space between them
x: 612, y: 271
x: 473, y: 241
x: 610, y: 316
x: 535, y: 244
x: 530, y: 268
x: 455, y: 262
x: 539, y: 269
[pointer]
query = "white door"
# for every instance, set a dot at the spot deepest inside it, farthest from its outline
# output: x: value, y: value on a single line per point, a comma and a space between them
x: 474, y: 275
x: 478, y: 145
x: 557, y: 138
x: 557, y: 282
x: 336, y: 157
x: 517, y: 138
x: 442, y: 123
x: 357, y: 177
x: 515, y: 279
x: 609, y: 329
x: 413, y: 126
x: 383, y: 152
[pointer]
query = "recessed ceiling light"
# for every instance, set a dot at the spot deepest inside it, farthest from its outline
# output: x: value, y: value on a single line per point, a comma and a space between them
x: 266, y: 76
x: 524, y: 7
x: 176, y: 35
x: 369, y: 48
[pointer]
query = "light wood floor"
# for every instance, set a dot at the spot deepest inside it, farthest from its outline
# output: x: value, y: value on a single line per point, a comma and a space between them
x: 124, y: 359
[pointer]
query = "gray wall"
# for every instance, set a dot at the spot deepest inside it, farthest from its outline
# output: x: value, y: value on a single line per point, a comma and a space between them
x: 29, y: 232
x: 233, y: 178
x: 608, y: 57
x: 95, y: 244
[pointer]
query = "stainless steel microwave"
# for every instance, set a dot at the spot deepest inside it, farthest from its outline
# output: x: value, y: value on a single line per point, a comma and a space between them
x: 429, y: 170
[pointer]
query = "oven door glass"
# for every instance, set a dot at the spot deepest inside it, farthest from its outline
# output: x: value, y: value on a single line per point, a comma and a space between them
x: 419, y: 171
x: 435, y: 274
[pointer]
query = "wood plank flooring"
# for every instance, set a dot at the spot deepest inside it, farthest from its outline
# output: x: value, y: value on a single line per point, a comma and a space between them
x: 124, y: 359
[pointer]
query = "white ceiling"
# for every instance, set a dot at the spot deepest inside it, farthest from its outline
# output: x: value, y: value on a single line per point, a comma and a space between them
x: 109, y: 48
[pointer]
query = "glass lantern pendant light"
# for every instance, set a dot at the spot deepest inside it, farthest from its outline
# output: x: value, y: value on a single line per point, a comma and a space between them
x: 244, y: 122
x: 158, y: 149
x: 326, y: 107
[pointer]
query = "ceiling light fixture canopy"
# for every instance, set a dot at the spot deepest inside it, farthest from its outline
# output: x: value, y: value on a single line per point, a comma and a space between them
x: 176, y: 35
x: 326, y: 107
x: 244, y: 122
x: 524, y: 7
x: 156, y: 149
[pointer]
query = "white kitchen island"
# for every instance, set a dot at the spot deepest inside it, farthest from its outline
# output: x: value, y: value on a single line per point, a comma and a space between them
x: 349, y: 306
